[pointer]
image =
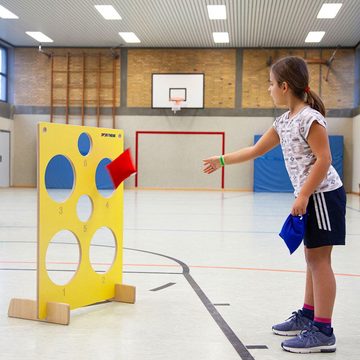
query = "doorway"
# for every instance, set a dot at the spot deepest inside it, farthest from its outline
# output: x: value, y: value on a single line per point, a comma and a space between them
x: 4, y: 158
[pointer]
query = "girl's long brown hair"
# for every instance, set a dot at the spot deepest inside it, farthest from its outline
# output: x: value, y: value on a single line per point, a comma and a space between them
x: 293, y: 70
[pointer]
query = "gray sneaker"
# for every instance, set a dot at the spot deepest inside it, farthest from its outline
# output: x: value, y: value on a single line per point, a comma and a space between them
x: 311, y: 340
x: 293, y: 325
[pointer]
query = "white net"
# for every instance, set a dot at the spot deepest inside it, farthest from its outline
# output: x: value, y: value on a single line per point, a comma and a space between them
x: 176, y: 104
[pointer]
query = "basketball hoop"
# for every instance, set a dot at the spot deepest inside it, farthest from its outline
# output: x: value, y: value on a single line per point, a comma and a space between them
x: 176, y: 104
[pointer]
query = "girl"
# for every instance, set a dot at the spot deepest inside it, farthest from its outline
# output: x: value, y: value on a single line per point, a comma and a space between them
x: 319, y: 192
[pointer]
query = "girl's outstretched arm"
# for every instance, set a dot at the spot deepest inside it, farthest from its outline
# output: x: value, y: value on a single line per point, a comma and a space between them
x: 268, y: 141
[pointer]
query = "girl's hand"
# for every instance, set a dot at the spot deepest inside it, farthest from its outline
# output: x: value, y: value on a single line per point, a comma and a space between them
x: 211, y: 164
x: 300, y: 205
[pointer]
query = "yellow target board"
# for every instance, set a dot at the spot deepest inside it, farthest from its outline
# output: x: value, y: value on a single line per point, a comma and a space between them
x: 86, y: 286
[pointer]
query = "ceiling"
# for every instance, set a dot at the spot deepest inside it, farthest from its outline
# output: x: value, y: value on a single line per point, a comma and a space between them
x: 180, y: 23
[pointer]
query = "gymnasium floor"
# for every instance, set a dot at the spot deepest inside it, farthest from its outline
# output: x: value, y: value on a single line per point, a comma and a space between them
x: 211, y: 276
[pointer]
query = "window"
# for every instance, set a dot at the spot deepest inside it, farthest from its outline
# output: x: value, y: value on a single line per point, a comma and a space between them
x: 3, y: 74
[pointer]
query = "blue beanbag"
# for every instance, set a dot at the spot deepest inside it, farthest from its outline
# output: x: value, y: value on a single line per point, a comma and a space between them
x: 293, y: 231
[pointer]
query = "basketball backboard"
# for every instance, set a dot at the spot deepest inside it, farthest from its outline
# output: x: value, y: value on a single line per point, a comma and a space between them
x: 166, y: 88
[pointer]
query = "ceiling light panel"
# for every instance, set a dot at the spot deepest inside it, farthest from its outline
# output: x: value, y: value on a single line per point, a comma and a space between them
x: 108, y: 12
x: 129, y: 37
x: 314, y: 36
x: 39, y: 36
x: 217, y: 12
x: 221, y: 37
x: 7, y: 14
x: 329, y: 11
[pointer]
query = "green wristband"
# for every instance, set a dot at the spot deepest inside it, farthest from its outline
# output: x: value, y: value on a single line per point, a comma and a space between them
x: 222, y: 162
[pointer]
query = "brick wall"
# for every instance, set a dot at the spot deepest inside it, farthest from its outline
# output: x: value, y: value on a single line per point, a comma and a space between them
x: 32, y: 72
x: 337, y: 92
x: 217, y: 65
x: 33, y: 75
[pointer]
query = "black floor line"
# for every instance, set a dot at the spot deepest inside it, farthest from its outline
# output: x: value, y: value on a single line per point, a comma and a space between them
x: 163, y: 286
x: 350, y: 208
x: 239, y: 347
x: 16, y: 269
x: 99, y: 303
x: 256, y: 347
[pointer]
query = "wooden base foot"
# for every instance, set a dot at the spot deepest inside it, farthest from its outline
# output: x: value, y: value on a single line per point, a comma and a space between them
x: 23, y: 309
x: 125, y: 293
x: 57, y: 313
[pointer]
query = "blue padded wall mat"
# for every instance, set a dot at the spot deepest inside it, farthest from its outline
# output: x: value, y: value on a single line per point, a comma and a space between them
x: 270, y: 174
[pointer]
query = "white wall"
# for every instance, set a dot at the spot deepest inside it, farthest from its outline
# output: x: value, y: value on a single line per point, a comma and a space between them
x: 356, y: 155
x: 239, y: 132
x: 8, y: 125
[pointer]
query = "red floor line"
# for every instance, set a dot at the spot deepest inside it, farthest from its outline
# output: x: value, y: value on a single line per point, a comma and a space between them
x: 191, y: 266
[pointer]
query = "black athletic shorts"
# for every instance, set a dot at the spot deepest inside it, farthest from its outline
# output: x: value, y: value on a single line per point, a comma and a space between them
x: 326, y: 219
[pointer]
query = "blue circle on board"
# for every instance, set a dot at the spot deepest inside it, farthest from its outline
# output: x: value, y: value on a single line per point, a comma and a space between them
x: 59, y: 178
x: 102, y: 177
x: 84, y: 144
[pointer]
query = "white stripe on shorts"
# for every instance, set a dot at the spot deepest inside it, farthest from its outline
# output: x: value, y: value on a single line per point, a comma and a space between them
x: 317, y: 211
x: 326, y: 212
x: 322, y: 215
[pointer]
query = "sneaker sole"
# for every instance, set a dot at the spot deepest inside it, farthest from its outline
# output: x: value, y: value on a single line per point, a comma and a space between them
x: 286, y: 333
x: 318, y: 349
